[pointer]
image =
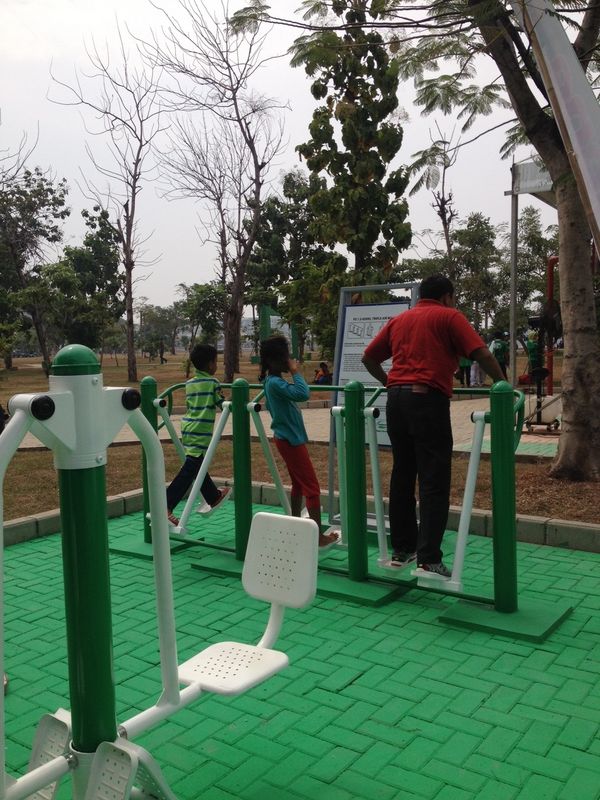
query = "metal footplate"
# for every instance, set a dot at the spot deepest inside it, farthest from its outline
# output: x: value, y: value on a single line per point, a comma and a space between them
x: 117, y: 766
x: 52, y: 739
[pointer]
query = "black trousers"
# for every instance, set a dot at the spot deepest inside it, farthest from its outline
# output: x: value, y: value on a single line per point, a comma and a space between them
x: 185, y: 478
x: 421, y: 436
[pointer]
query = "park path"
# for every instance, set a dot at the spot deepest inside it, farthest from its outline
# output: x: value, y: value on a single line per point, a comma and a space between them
x: 317, y: 422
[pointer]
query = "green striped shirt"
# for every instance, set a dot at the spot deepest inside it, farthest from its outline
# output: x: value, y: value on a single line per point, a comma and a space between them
x: 202, y: 397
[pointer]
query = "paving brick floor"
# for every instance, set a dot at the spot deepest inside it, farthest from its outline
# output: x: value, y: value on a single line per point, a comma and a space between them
x: 378, y: 703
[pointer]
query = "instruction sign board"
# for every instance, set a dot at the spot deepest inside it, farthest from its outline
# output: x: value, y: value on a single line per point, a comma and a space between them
x: 360, y: 324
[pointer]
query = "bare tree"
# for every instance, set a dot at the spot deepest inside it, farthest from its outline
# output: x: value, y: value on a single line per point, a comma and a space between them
x: 240, y: 134
x: 127, y: 107
x: 433, y: 163
x: 202, y: 163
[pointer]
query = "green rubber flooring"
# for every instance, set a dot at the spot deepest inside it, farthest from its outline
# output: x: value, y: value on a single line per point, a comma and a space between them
x: 379, y: 702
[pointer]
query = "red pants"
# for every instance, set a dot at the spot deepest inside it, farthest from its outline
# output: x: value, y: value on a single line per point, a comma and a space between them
x: 304, y: 481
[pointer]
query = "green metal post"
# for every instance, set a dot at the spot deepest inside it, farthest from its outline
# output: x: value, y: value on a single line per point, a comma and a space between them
x: 87, y: 606
x: 356, y: 496
x: 149, y: 393
x: 86, y: 572
x: 503, y: 497
x: 242, y: 465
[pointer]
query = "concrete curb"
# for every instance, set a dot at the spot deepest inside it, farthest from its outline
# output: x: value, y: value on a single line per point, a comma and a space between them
x: 531, y: 529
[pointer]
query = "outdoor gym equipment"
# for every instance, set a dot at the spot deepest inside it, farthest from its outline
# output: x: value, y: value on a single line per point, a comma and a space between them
x: 163, y: 406
x: 206, y: 462
x: 425, y: 580
x: 502, y: 611
x: 505, y: 612
x: 77, y: 419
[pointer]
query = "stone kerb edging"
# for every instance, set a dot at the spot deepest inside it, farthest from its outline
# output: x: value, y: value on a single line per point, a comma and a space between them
x: 535, y: 530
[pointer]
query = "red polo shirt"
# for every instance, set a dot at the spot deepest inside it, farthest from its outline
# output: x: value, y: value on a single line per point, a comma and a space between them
x: 425, y: 344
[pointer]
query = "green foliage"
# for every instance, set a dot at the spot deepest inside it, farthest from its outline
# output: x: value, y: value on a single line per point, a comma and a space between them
x: 290, y: 269
x: 81, y: 295
x: 158, y: 329
x: 32, y: 209
x: 310, y: 300
x: 535, y: 246
x: 352, y: 137
x: 203, y: 307
x: 477, y: 262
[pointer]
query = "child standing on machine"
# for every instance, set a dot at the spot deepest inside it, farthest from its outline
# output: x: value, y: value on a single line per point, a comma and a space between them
x: 288, y: 428
x: 202, y: 397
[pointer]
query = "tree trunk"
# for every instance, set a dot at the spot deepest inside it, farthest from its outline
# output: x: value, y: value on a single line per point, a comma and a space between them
x: 41, y: 337
x: 8, y: 360
x: 578, y: 456
x: 130, y: 329
x: 232, y: 322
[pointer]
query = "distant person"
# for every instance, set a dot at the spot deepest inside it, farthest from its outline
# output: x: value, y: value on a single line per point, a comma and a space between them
x: 288, y: 429
x: 323, y: 376
x: 464, y: 372
x: 535, y: 359
x: 499, y: 349
x: 202, y: 398
x: 424, y: 344
x: 477, y: 376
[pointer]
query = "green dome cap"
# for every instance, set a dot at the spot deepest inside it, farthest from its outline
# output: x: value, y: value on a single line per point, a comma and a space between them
x: 75, y: 359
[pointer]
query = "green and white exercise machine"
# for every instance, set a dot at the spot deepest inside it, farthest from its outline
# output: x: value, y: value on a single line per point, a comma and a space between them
x: 77, y: 419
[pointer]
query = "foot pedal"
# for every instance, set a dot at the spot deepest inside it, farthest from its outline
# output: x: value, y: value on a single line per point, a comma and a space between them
x: 51, y: 740
x: 172, y: 528
x: 335, y: 529
x: 386, y: 563
x: 431, y: 580
x: 117, y: 766
x: 204, y: 509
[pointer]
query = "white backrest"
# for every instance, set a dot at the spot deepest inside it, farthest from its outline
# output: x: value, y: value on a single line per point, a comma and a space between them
x: 281, y: 559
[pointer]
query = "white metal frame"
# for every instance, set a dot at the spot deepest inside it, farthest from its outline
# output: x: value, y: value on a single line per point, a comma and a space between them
x: 454, y: 582
x: 52, y: 754
x: 206, y: 462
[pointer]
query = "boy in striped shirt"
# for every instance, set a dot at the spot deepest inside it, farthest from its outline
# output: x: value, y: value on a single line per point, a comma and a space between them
x: 202, y: 396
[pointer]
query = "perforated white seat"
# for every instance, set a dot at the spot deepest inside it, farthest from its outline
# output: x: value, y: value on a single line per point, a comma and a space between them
x: 280, y: 568
x: 232, y: 667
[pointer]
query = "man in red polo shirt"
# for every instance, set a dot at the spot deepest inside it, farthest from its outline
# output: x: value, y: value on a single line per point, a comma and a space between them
x: 425, y: 344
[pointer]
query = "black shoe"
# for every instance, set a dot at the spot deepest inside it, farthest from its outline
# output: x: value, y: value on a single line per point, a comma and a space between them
x: 437, y: 569
x: 401, y: 559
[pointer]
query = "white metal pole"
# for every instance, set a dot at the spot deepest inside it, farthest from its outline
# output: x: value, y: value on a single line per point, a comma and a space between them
x: 208, y: 457
x: 168, y: 422
x: 260, y: 429
x: 161, y: 554
x: 467, y: 505
x: 32, y: 782
x: 152, y: 716
x: 371, y: 415
x: 337, y: 414
x: 514, y: 252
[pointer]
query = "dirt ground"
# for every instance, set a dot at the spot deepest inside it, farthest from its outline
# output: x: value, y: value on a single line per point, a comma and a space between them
x: 30, y: 482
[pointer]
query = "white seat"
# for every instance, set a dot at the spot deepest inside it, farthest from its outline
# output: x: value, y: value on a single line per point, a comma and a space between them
x: 280, y: 568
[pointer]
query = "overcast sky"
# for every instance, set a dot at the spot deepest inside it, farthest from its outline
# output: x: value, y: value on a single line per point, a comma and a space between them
x: 37, y: 33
